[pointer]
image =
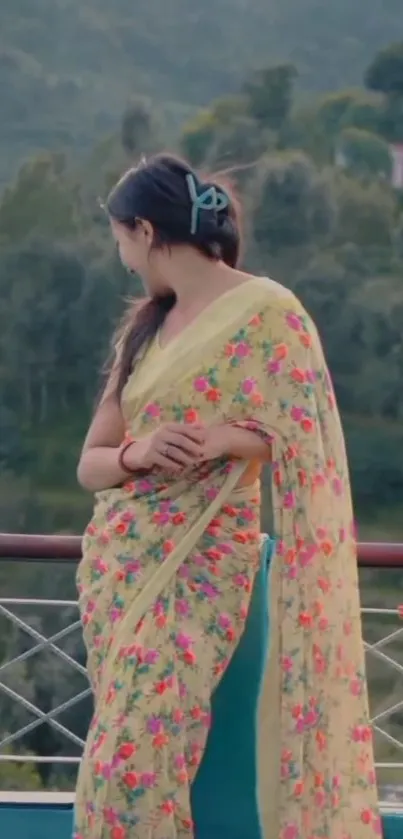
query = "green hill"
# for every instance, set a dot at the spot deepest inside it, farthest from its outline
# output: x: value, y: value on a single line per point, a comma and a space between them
x: 68, y: 67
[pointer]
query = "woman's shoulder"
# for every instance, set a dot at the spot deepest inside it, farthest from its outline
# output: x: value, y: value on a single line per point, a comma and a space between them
x: 274, y: 296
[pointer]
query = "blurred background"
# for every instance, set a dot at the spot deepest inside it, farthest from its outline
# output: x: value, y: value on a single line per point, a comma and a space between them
x: 303, y: 99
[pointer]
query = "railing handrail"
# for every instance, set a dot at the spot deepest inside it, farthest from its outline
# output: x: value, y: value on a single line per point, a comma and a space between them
x: 41, y: 547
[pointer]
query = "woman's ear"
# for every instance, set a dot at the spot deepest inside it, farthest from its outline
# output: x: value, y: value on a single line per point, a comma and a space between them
x: 146, y: 228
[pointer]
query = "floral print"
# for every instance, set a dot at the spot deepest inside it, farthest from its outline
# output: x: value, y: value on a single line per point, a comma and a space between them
x: 263, y: 370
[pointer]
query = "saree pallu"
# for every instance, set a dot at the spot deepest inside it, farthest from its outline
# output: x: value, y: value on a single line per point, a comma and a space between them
x: 156, y: 653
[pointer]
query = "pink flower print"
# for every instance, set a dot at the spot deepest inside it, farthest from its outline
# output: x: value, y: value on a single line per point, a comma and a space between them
x: 224, y: 621
x: 297, y: 413
x: 274, y: 367
x: 145, y: 486
x: 356, y: 687
x: 289, y: 500
x: 311, y: 718
x: 337, y: 485
x: 180, y: 761
x: 110, y: 815
x: 183, y: 691
x: 247, y: 386
x: 378, y: 826
x: 241, y: 580
x: 209, y: 591
x: 320, y: 798
x: 306, y: 555
x: 182, y: 607
x: 290, y: 831
x: 286, y: 664
x: 225, y: 548
x: 211, y: 493
x: 242, y: 350
x: 154, y: 725
x: 199, y: 560
x: 310, y: 376
x: 151, y: 657
x: 128, y: 516
x: 201, y: 384
x: 184, y: 572
x: 148, y: 779
x: 107, y: 771
x: 183, y: 641
x: 161, y: 518
x: 133, y: 567
x: 153, y: 410
x: 294, y: 322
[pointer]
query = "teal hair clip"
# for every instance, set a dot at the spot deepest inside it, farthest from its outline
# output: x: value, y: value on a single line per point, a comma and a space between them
x: 210, y: 199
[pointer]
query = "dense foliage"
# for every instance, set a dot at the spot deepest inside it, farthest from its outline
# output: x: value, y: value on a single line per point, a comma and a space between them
x: 68, y: 67
x: 322, y: 216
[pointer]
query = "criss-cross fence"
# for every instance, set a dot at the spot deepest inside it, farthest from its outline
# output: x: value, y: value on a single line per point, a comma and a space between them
x: 44, y: 695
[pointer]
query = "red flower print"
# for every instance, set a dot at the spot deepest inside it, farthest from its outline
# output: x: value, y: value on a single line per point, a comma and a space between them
x: 160, y: 741
x: 160, y: 687
x: 305, y: 620
x: 121, y: 528
x: 126, y: 750
x: 366, y: 816
x: 306, y: 340
x: 298, y: 375
x: 189, y: 657
x: 168, y: 546
x: 213, y: 394
x: 131, y: 779
x: 257, y: 399
x: 229, y: 511
x: 191, y: 415
x: 241, y: 537
x: 307, y: 424
x: 255, y: 321
x: 229, y: 350
x: 179, y: 518
x: 118, y: 832
x: 298, y: 789
x: 280, y: 352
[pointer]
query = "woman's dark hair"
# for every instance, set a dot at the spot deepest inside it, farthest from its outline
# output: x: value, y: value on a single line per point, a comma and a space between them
x: 184, y: 209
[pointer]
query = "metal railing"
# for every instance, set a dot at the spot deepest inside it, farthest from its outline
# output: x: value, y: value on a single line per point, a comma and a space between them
x: 383, y: 644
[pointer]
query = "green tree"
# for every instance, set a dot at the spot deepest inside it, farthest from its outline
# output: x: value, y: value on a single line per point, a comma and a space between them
x: 293, y: 204
x: 270, y: 93
x: 364, y: 153
x: 385, y: 73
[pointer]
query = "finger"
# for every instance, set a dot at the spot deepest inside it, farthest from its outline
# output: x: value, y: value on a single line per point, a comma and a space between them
x: 176, y: 454
x: 196, y: 432
x: 165, y: 463
x: 182, y: 442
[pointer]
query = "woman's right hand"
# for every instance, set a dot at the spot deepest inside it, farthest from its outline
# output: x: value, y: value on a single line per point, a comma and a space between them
x: 172, y: 447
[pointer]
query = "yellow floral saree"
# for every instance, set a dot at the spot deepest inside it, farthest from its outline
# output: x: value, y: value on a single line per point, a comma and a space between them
x: 166, y: 578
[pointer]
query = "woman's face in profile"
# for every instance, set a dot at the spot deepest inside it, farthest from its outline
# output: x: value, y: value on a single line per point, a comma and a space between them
x: 136, y: 253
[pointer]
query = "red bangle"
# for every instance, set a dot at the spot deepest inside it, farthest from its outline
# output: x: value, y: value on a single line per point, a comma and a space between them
x: 123, y: 449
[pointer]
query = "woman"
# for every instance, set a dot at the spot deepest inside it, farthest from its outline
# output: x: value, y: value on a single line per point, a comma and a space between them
x: 217, y: 373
